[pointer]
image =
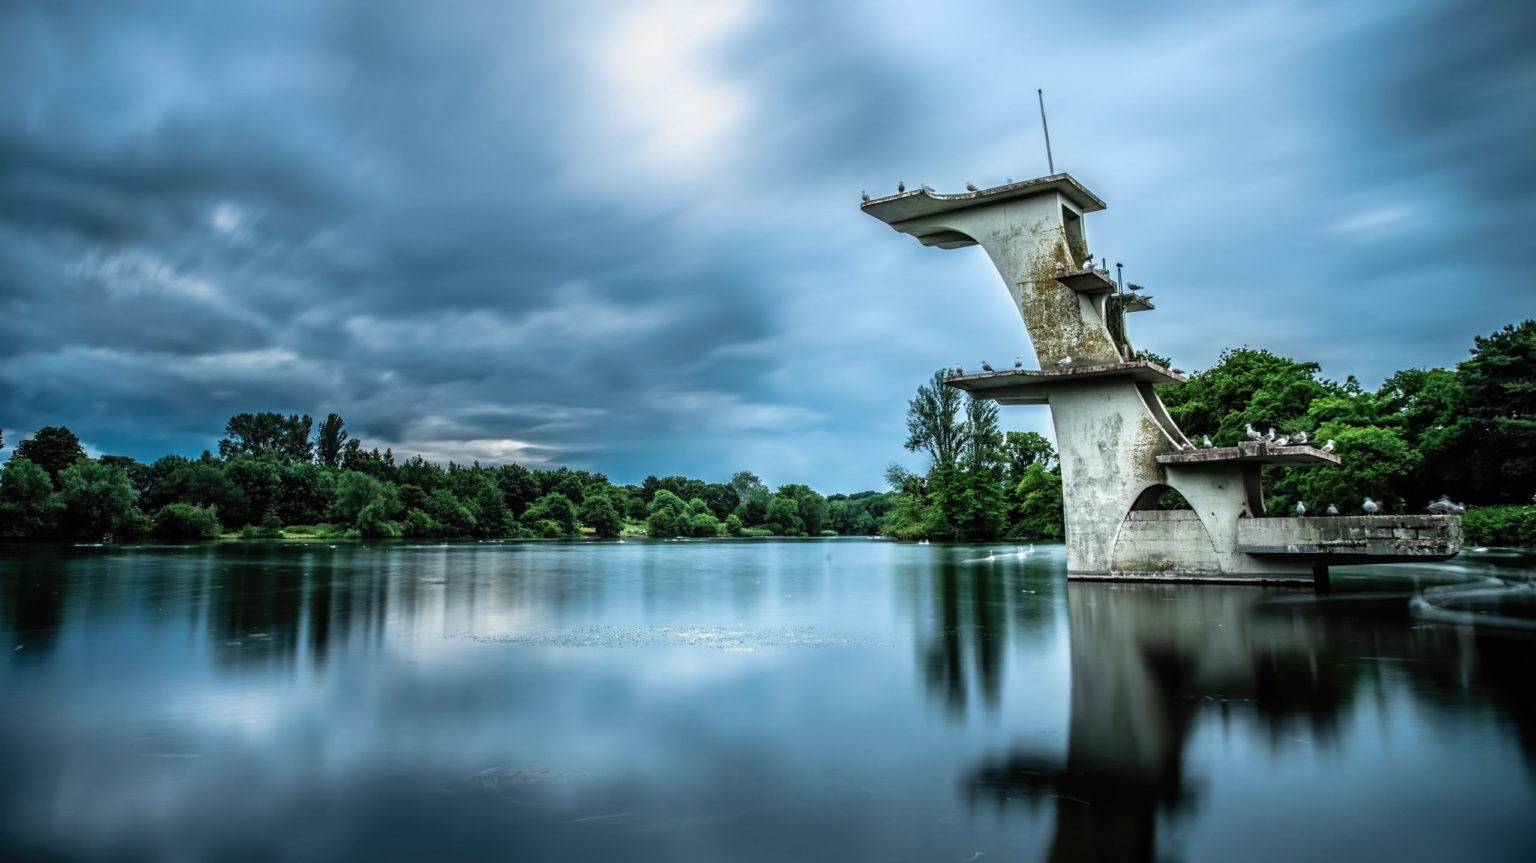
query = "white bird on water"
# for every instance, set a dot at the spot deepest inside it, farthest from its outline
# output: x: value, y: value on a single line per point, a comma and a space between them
x: 986, y: 367
x: 1371, y: 507
x: 1301, y: 509
x: 1063, y: 362
x: 1205, y: 441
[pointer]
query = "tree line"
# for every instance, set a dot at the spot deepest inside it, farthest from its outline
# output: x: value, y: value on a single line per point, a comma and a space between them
x: 1469, y: 432
x: 279, y: 475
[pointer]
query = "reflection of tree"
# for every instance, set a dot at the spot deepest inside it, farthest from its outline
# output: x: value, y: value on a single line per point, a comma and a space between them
x: 978, y: 605
x: 32, y: 594
x: 1148, y: 660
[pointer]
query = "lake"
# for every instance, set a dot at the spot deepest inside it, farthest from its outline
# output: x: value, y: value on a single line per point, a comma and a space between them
x: 849, y: 700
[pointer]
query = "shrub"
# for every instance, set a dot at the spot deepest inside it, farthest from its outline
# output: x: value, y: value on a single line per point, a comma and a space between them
x: 1500, y: 525
x: 185, y: 521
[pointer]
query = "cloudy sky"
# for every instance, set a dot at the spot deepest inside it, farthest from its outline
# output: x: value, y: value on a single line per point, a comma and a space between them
x: 626, y: 237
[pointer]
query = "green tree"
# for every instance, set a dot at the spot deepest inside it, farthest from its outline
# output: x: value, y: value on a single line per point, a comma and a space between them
x: 26, y: 511
x: 1496, y: 434
x: 52, y: 448
x: 933, y: 425
x: 452, y: 517
x: 285, y: 438
x: 184, y: 521
x: 356, y: 491
x: 598, y: 513
x: 1246, y: 386
x: 701, y: 520
x: 331, y: 440
x: 556, y: 508
x: 810, y: 506
x: 783, y: 516
x: 199, y: 484
x: 668, y: 515
x: 1038, y: 509
x: 95, y: 500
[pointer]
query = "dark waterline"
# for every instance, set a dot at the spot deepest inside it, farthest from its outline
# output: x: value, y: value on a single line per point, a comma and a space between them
x: 836, y: 700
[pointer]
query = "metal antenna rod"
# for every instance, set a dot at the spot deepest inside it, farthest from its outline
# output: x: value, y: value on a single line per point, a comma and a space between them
x: 1049, y: 161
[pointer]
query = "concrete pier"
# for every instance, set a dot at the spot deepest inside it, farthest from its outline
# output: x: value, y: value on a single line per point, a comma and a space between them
x: 1120, y: 450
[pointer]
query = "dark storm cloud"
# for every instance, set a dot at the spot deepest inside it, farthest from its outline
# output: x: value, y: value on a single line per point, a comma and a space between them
x: 626, y: 236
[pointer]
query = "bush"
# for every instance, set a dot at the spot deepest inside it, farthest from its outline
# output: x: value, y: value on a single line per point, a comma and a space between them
x: 756, y: 531
x: 419, y: 524
x: 827, y: 533
x: 1500, y: 525
x: 313, y: 531
x: 185, y: 521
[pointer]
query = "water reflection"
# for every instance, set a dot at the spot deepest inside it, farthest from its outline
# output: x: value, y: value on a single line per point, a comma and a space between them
x: 1151, y: 662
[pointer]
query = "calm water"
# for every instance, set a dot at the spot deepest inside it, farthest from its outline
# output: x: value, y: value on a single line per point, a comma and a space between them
x: 787, y: 701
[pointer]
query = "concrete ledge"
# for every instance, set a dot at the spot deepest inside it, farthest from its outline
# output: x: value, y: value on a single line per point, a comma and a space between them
x: 1353, y: 539
x: 1088, y: 281
x: 1029, y: 386
x: 1192, y: 576
x: 1252, y: 452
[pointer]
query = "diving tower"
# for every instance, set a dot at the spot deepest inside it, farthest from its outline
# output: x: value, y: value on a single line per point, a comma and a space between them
x: 1120, y: 449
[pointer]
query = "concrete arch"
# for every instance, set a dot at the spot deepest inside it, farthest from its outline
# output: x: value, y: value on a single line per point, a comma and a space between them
x: 1162, y: 543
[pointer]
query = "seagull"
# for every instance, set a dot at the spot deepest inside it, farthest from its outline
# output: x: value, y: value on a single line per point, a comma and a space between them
x: 1327, y: 447
x: 1186, y: 446
x: 1205, y: 441
x: 971, y: 187
x: 1088, y: 265
x: 1269, y: 436
x: 865, y: 195
x: 1299, y: 439
x: 959, y: 369
x: 1018, y: 363
x: 925, y: 187
x: 1301, y: 509
x: 1060, y: 267
x: 1177, y: 371
x: 1446, y: 506
x: 986, y: 367
x: 1332, y: 510
x: 901, y: 186
x: 1371, y: 507
x: 1252, y: 434
x: 1063, y: 362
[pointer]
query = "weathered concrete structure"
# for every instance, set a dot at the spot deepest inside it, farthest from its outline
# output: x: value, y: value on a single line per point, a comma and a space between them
x: 1120, y: 450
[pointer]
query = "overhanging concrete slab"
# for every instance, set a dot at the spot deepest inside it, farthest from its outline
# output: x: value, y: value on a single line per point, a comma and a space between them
x: 1251, y: 452
x: 1355, y: 539
x: 1029, y: 386
x: 1087, y: 281
x: 920, y: 203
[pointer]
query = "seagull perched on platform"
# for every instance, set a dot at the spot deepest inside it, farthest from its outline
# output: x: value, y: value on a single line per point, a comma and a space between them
x: 1060, y: 268
x: 1205, y: 442
x: 1253, y: 433
x: 1301, y: 509
x: 1446, y: 506
x: 1327, y: 447
x: 1269, y: 436
x: 971, y: 187
x: 1371, y: 507
x: 959, y: 369
x: 1187, y: 446
x: 1298, y: 439
x: 900, y: 186
x: 864, y: 195
x: 986, y: 367
x: 1332, y: 510
x: 1017, y: 363
x: 1063, y: 362
x: 1088, y: 265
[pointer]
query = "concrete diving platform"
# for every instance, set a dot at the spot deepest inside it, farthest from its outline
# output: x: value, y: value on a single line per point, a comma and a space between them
x: 1030, y: 386
x: 1352, y: 539
x: 1089, y: 281
x: 1251, y: 452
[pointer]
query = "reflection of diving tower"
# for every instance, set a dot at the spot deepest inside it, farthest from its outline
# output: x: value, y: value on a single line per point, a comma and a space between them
x: 1120, y: 451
